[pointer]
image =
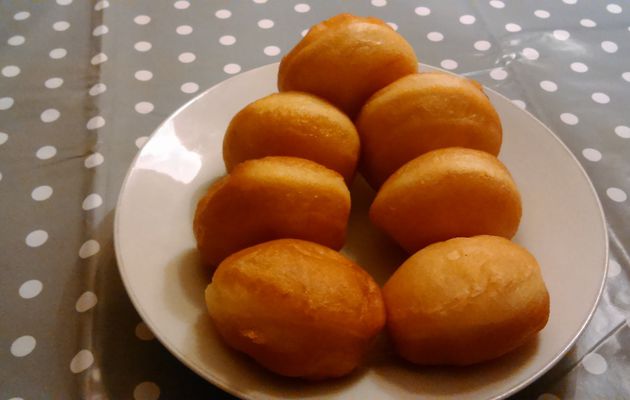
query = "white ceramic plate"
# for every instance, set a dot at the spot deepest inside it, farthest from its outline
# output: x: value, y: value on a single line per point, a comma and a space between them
x: 562, y: 225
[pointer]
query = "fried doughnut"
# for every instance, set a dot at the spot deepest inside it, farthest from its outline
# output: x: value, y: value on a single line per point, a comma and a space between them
x: 465, y: 301
x: 298, y: 308
x: 271, y: 198
x: 420, y: 113
x: 447, y: 193
x: 293, y: 124
x: 345, y: 59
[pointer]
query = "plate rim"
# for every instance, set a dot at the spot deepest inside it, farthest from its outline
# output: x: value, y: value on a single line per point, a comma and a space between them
x: 223, y: 385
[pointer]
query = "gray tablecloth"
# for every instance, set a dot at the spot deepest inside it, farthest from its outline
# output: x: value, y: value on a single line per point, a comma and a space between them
x: 83, y: 84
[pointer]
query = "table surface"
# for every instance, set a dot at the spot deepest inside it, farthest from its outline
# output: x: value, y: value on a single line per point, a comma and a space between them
x: 84, y: 83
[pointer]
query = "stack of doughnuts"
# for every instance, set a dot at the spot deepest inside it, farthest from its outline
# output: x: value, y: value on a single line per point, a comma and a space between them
x: 351, y: 99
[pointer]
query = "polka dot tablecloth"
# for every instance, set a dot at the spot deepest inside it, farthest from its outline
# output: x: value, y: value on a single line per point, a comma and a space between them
x: 84, y: 83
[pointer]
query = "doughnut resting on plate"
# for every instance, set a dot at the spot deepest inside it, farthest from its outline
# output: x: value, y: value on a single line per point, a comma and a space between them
x: 465, y: 301
x: 298, y: 308
x: 345, y: 59
x: 420, y: 113
x: 447, y: 193
x: 293, y: 124
x: 271, y: 198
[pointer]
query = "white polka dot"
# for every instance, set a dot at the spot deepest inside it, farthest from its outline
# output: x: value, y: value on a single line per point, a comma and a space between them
x: 588, y: 23
x: 16, y: 40
x: 626, y: 76
x: 184, y: 30
x: 265, y: 24
x: 142, y: 46
x: 142, y: 19
x: 86, y: 301
x: 614, y: 8
x: 497, y: 4
x: 601, y: 98
x: 36, y: 238
x: 61, y: 26
x: 23, y: 346
x: 97, y: 89
x: 520, y: 104
x: 304, y: 32
x: 141, y: 141
x: 21, y: 16
x: 498, y: 74
x: 99, y: 58
x: 579, y: 67
x: 614, y: 268
x: 623, y: 131
x: 569, y: 119
x: 144, y: 107
x: 41, y: 193
x: 223, y: 14
x: 95, y: 123
x: 561, y: 34
x: 594, y: 363
x: 189, y: 87
x: 187, y: 57
x: 616, y: 194
x: 423, y: 11
x: 53, y: 83
x: 64, y: 2
x: 50, y: 115
x: 548, y: 396
x: 232, y: 68
x: 92, y: 201
x: 302, y: 8
x: 467, y: 19
x: 100, y: 30
x: 101, y: 5
x: 146, y: 391
x: 435, y: 36
x: 571, y: 2
x: 6, y: 103
x: 530, y: 54
x: 181, y: 4
x: 143, y: 332
x: 93, y: 160
x: 3, y: 138
x: 393, y: 26
x: 81, y: 361
x: 46, y: 152
x: 227, y: 40
x: 11, y: 71
x: 542, y: 14
x: 548, y: 86
x: 482, y: 45
x: 56, y: 54
x: 30, y: 289
x: 512, y: 27
x: 609, y: 47
x: 448, y: 64
x: 272, y: 50
x: 379, y: 3
x: 143, y: 75
x: 592, y: 154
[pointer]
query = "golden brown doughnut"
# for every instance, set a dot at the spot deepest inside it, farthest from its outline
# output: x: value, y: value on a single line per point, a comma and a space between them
x: 271, y: 198
x: 298, y: 308
x: 293, y: 124
x: 464, y: 301
x: 447, y: 193
x: 420, y: 113
x: 345, y: 59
